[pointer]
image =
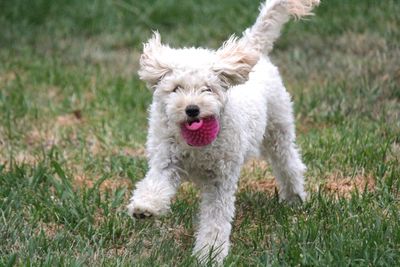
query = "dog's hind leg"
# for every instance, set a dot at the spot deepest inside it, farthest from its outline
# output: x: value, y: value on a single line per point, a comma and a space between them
x: 280, y: 149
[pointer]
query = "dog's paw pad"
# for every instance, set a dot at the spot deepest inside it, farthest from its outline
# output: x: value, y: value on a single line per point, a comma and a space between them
x: 141, y: 211
x: 142, y: 215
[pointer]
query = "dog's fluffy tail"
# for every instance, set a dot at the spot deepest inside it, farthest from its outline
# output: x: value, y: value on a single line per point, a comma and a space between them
x: 273, y: 15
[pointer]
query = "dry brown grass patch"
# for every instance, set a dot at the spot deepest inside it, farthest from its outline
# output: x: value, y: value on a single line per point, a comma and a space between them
x: 182, y: 236
x: 134, y: 152
x: 7, y: 77
x: 394, y: 152
x: 49, y: 229
x: 342, y: 186
x: 111, y: 184
x: 255, y: 177
x: 70, y: 119
x: 266, y: 186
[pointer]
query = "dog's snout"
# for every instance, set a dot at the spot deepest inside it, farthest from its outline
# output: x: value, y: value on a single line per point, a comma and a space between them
x: 192, y: 111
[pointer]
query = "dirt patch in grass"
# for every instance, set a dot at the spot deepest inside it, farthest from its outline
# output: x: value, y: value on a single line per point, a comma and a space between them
x: 342, y: 186
x: 268, y: 186
x: 49, y: 229
x: 70, y: 119
x: 44, y: 137
x: 183, y: 236
x: 255, y: 169
x: 48, y: 134
x: 7, y: 77
x: 394, y: 152
x: 110, y: 184
x: 117, y: 251
x: 256, y: 177
x: 61, y: 131
x: 134, y: 152
x: 9, y: 156
x: 25, y: 158
x: 113, y: 184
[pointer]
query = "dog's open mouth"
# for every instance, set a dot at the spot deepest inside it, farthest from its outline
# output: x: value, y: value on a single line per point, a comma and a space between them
x: 194, y: 124
x: 200, y: 132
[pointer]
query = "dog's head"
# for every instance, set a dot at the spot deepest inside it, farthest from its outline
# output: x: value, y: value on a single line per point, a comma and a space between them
x: 191, y: 83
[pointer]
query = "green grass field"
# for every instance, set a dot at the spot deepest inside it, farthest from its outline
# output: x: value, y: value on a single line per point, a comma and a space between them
x: 73, y: 127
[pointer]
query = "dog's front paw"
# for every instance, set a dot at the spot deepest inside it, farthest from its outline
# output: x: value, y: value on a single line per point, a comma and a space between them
x: 146, y: 207
x: 211, y: 251
x: 139, y: 211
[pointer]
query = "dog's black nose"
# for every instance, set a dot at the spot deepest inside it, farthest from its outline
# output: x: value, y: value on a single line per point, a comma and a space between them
x: 192, y: 111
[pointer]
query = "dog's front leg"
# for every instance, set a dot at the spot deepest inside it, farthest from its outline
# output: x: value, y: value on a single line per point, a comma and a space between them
x: 153, y: 194
x: 216, y: 213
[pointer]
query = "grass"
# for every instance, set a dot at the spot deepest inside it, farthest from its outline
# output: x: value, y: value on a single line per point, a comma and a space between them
x: 73, y: 127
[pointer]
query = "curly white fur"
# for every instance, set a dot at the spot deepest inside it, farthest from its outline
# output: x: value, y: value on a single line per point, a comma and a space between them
x: 239, y: 86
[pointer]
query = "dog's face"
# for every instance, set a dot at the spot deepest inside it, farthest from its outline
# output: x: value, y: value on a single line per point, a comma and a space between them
x: 191, y: 83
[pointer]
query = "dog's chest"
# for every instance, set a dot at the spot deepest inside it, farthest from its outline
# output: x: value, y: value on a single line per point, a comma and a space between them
x: 200, y: 164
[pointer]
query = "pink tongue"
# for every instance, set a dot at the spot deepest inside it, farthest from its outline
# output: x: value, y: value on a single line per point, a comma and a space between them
x: 194, y: 125
x: 200, y: 133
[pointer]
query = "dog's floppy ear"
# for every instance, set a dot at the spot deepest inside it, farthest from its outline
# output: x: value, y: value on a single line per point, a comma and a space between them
x: 234, y: 62
x: 152, y: 68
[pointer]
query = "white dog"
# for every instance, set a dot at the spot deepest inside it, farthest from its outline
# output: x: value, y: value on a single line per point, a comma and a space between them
x: 238, y: 94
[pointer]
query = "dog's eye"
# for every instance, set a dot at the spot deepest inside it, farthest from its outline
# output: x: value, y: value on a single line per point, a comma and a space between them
x: 176, y: 89
x: 208, y: 89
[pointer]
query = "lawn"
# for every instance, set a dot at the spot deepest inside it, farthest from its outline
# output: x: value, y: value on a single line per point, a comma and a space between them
x: 73, y: 119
